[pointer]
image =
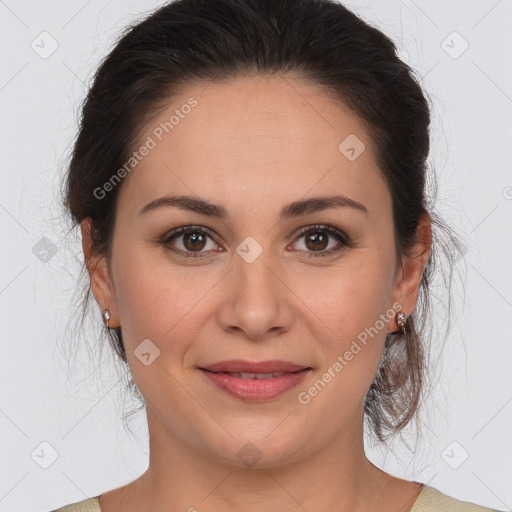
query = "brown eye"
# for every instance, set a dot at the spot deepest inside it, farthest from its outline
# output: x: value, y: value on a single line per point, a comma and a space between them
x: 194, y: 241
x: 319, y: 238
x: 189, y: 240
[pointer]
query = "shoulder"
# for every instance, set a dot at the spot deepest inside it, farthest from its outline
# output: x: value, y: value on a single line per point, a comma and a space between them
x: 432, y: 500
x: 88, y: 505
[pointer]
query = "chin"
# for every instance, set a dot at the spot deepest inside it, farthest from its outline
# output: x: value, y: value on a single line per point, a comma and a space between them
x: 259, y: 446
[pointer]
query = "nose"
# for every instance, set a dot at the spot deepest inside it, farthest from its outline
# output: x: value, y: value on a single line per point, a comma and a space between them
x: 255, y: 299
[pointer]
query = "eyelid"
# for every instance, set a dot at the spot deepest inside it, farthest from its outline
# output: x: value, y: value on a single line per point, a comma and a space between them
x: 323, y: 227
x: 344, y: 240
x: 169, y: 235
x: 189, y: 227
x: 327, y: 228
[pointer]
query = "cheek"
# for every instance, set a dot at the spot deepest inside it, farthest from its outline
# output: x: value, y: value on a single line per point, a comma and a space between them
x: 348, y: 299
x: 343, y: 312
x: 347, y: 310
x: 160, y: 303
x: 159, y: 300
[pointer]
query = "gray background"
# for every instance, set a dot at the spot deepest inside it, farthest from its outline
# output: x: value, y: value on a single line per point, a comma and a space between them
x: 67, y: 418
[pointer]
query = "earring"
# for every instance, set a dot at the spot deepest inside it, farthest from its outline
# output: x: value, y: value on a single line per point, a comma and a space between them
x: 401, y: 320
x: 106, y: 316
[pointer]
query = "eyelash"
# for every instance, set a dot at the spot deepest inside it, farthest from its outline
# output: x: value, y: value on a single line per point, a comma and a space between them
x: 326, y: 228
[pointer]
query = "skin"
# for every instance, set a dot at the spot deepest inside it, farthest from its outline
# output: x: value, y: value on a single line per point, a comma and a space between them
x: 254, y: 145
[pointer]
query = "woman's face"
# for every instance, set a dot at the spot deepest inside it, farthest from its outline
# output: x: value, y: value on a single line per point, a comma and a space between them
x: 264, y: 282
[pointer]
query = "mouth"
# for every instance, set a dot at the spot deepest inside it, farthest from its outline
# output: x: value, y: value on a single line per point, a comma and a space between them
x: 249, y: 375
x: 255, y: 386
x: 249, y: 367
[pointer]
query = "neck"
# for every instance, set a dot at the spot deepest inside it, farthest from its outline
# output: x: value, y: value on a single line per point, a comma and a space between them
x: 181, y: 477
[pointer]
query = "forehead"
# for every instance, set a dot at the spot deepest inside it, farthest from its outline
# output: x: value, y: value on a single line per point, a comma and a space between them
x: 277, y: 138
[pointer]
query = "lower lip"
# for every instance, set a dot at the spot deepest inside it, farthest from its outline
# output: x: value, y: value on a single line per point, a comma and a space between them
x: 254, y: 389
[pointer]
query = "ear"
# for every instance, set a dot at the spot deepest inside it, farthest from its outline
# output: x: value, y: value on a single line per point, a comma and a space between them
x: 101, y: 283
x: 410, y: 271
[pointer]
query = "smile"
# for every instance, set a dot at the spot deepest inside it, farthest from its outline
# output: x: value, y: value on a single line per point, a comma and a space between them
x: 255, y: 387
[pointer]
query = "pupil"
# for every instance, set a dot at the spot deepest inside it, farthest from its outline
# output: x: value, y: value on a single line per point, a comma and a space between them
x: 318, y: 240
x: 195, y: 239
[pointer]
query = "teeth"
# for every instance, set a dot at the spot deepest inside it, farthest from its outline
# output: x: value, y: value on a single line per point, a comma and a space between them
x: 259, y: 376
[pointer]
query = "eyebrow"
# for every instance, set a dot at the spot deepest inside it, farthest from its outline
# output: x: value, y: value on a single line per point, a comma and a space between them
x: 295, y: 209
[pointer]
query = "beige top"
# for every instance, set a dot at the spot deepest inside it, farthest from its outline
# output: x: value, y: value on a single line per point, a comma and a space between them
x: 429, y: 500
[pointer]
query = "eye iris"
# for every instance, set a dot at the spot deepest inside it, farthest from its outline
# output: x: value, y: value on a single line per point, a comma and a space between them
x: 319, y: 241
x: 195, y: 239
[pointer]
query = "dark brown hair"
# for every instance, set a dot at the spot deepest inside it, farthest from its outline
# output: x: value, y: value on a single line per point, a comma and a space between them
x: 193, y: 41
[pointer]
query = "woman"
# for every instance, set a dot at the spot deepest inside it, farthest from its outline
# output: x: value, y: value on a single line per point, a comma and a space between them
x: 249, y: 179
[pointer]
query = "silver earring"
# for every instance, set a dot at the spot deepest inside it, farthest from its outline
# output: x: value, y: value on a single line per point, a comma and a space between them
x: 401, y: 320
x: 106, y: 316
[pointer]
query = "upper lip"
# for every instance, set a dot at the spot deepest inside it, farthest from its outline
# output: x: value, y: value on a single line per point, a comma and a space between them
x: 239, y: 366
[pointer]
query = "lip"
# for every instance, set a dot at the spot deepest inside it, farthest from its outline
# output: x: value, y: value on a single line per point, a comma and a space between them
x: 256, y: 390
x: 252, y: 389
x: 240, y: 365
